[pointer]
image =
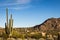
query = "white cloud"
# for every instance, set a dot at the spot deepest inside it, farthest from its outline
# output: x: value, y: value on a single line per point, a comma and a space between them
x: 23, y: 1
x: 17, y: 5
x: 20, y: 8
x: 8, y: 4
x: 17, y: 2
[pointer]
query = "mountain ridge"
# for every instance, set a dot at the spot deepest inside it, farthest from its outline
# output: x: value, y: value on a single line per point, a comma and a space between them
x: 49, y: 24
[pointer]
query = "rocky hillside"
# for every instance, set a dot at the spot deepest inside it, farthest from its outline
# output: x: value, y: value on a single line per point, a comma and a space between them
x: 49, y: 24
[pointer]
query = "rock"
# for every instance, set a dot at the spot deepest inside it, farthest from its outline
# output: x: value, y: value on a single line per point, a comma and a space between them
x: 41, y: 39
x: 11, y: 39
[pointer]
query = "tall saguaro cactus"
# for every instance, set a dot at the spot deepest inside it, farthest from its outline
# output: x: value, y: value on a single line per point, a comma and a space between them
x: 8, y: 25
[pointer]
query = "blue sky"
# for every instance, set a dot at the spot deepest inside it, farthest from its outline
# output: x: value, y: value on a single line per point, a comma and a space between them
x: 28, y: 13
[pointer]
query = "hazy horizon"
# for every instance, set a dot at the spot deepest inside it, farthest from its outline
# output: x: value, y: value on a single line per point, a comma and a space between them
x: 28, y: 13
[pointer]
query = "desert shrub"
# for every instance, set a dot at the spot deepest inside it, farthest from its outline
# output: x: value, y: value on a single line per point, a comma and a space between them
x: 5, y: 35
x: 36, y: 36
x: 16, y: 34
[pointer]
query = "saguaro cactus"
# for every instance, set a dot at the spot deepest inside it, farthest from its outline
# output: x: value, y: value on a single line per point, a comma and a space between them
x: 8, y: 25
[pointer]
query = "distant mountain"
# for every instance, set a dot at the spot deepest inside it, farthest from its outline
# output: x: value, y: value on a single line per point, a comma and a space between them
x: 49, y: 24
